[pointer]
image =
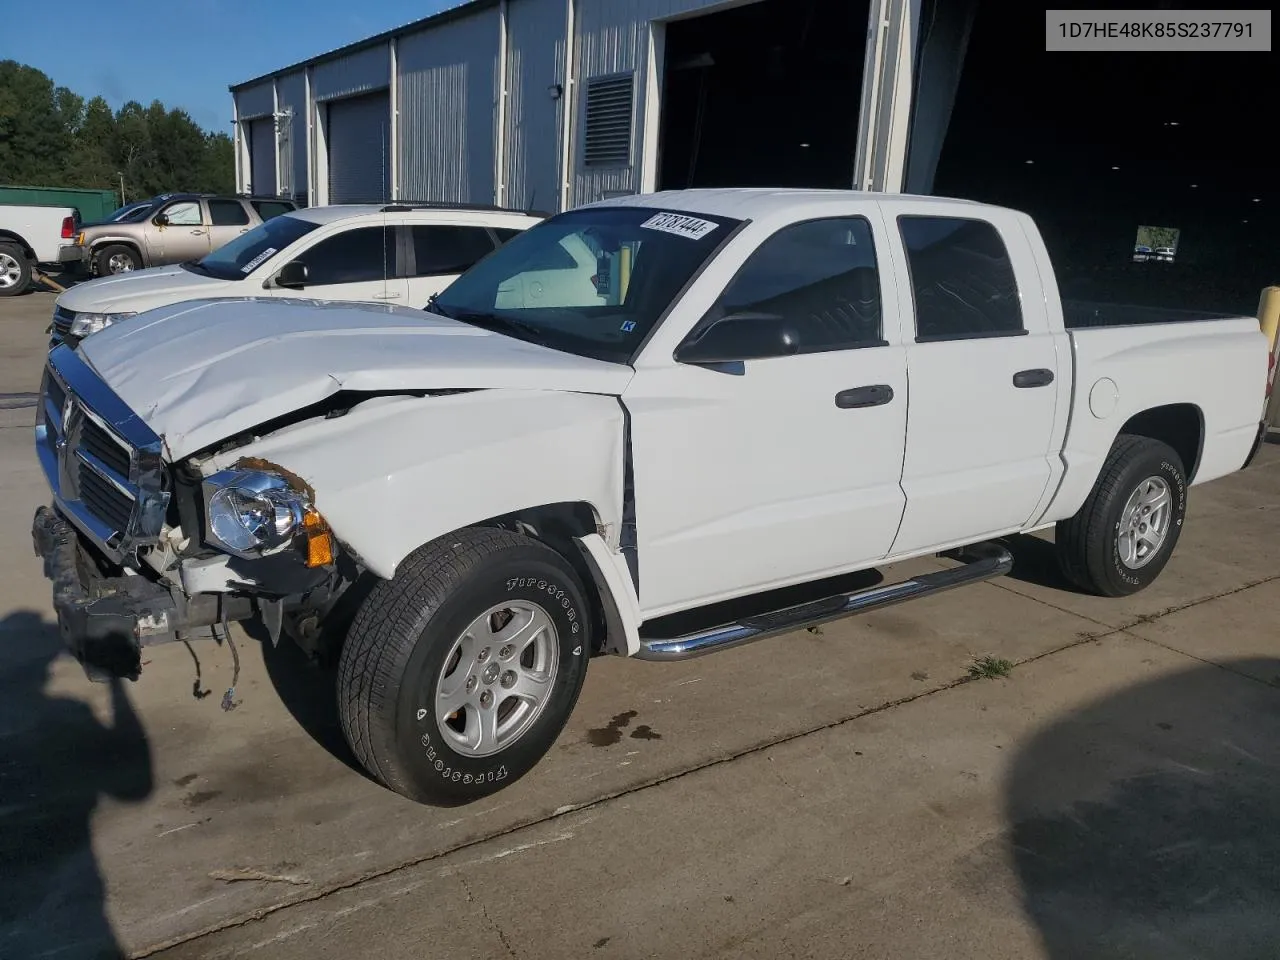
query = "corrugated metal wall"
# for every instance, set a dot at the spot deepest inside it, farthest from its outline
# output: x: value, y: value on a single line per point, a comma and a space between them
x: 448, y: 98
x: 535, y: 61
x: 255, y: 101
x: 293, y: 134
x: 360, y: 72
x: 613, y: 37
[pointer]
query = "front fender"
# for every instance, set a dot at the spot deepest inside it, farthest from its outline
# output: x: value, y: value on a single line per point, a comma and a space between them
x: 398, y: 472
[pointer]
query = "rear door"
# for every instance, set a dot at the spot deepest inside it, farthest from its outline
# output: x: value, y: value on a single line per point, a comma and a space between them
x: 438, y: 253
x: 984, y: 371
x: 227, y: 220
x: 352, y: 264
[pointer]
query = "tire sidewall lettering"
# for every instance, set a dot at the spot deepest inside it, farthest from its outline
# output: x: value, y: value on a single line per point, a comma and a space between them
x: 1173, y: 476
x: 563, y: 600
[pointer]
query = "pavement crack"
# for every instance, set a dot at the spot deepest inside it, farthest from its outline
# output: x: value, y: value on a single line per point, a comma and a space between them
x: 1043, y: 602
x: 645, y: 785
x: 484, y: 911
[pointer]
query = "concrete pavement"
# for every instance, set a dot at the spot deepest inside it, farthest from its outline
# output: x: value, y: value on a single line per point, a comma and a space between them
x: 842, y: 794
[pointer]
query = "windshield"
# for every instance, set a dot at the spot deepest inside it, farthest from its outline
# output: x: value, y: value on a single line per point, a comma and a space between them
x: 238, y: 258
x: 130, y: 213
x: 593, y: 281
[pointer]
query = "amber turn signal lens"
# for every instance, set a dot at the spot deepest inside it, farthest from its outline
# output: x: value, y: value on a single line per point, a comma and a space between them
x: 319, y: 540
x: 320, y: 550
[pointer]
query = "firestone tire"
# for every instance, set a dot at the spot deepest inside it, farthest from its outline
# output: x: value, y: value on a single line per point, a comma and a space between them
x: 443, y: 634
x: 1110, y: 547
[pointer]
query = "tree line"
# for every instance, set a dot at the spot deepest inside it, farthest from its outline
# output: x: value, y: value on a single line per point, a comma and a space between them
x: 52, y: 137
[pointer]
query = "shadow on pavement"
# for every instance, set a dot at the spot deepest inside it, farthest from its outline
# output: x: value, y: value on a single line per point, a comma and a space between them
x: 1035, y: 561
x: 57, y: 761
x: 308, y: 691
x: 1147, y: 825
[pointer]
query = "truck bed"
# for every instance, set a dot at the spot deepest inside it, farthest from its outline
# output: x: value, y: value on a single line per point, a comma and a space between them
x: 1079, y: 314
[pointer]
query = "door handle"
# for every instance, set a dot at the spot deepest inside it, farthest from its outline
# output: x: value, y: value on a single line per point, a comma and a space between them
x: 386, y: 296
x: 858, y: 397
x: 1033, y: 378
x: 197, y: 233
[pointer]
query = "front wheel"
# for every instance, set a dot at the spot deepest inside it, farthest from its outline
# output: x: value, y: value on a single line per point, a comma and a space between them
x: 458, y: 675
x: 1127, y: 529
x: 116, y: 258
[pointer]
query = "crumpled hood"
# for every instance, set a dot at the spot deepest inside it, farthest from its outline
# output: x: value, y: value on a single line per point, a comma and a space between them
x: 138, y: 290
x: 201, y: 371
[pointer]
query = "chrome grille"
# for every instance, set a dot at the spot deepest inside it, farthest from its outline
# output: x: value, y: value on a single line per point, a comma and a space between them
x: 96, y: 440
x: 107, y: 502
x: 102, y: 463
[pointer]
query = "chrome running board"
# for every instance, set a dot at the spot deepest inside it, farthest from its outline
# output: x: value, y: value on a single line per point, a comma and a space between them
x: 983, y: 561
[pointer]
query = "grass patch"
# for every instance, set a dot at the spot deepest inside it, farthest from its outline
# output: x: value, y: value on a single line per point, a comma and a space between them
x: 988, y: 668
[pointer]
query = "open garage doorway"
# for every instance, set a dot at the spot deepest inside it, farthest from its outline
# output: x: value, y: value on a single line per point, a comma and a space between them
x: 764, y: 94
x: 1150, y: 174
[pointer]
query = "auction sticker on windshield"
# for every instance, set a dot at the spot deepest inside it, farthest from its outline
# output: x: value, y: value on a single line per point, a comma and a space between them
x: 256, y: 261
x: 681, y: 225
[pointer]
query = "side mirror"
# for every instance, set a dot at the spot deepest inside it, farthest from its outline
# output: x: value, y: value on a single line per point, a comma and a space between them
x: 161, y: 220
x: 741, y: 336
x: 292, y: 276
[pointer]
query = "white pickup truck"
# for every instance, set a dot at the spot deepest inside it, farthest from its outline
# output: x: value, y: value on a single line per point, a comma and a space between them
x: 746, y: 390
x: 29, y: 236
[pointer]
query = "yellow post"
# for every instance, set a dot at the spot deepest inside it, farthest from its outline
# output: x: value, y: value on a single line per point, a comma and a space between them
x: 1269, y: 320
x: 1269, y: 313
x: 624, y: 273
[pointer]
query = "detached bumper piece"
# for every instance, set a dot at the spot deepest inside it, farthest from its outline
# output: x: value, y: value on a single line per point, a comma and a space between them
x: 104, y: 621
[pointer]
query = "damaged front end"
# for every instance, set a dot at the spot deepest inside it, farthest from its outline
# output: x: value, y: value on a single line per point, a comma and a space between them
x: 141, y: 551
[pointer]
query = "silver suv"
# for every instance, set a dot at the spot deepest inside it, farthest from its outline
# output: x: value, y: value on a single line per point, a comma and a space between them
x: 171, y: 228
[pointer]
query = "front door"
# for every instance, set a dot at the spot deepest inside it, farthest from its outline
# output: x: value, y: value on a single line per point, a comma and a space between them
x: 986, y: 381
x: 184, y: 237
x: 781, y: 470
x: 354, y: 264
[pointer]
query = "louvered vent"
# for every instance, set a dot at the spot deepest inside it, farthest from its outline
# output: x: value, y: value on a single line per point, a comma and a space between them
x: 607, y: 135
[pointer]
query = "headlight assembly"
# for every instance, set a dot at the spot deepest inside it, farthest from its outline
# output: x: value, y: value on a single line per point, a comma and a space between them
x: 252, y: 513
x: 87, y: 323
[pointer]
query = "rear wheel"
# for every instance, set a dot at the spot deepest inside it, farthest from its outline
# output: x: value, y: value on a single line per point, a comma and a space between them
x: 1127, y: 529
x: 116, y: 258
x: 458, y: 675
x: 15, y: 270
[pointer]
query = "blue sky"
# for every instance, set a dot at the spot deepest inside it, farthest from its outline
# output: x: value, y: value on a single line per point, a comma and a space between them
x: 186, y: 52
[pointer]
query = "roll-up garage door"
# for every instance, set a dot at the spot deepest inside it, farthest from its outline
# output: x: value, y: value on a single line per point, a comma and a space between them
x: 262, y: 156
x: 359, y: 138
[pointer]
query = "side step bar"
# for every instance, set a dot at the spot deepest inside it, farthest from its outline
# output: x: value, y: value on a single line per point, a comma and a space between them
x: 983, y: 561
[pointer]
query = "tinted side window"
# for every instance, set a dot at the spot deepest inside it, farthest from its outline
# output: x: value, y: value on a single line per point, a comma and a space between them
x: 227, y: 213
x: 271, y: 208
x: 367, y: 253
x: 184, y: 213
x: 449, y: 249
x: 820, y: 277
x: 961, y: 277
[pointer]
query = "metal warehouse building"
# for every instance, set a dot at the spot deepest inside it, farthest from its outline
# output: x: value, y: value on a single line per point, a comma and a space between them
x: 546, y: 104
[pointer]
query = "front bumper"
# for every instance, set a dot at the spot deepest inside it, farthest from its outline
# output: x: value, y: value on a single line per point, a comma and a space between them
x: 72, y: 254
x: 104, y: 621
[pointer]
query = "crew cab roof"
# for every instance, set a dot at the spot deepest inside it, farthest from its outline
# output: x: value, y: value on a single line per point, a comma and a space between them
x: 753, y: 203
